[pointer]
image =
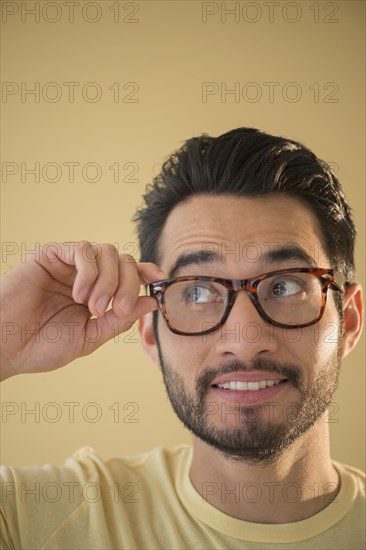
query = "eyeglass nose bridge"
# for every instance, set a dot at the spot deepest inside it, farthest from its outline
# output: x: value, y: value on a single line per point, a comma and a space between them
x: 241, y: 284
x: 251, y: 291
x: 244, y: 284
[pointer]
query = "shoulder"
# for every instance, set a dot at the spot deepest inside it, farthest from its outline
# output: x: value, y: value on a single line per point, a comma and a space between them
x: 85, y: 465
x: 85, y: 461
x: 37, y: 500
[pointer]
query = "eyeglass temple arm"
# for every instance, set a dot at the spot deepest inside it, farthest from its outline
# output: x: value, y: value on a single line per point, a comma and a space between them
x: 340, y: 284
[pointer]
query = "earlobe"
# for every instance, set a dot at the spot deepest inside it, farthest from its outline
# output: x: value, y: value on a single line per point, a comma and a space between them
x: 353, y: 317
x: 148, y: 342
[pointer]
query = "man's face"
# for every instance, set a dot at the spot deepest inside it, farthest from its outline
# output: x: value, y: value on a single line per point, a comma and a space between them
x: 244, y: 424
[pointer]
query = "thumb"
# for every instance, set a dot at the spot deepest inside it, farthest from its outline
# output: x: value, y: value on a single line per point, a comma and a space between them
x: 109, y: 325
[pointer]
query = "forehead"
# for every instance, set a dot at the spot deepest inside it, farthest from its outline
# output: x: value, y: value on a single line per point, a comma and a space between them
x: 239, y: 224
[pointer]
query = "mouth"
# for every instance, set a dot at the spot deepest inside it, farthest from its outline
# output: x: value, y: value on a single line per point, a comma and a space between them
x: 249, y: 386
x: 249, y: 392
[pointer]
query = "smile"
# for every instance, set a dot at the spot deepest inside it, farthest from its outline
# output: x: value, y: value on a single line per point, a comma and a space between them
x: 249, y: 386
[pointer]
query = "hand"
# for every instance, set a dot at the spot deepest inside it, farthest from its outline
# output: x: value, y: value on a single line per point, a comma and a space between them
x: 47, y: 304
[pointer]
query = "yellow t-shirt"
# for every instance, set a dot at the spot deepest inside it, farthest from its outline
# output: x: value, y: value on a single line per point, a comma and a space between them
x: 147, y: 501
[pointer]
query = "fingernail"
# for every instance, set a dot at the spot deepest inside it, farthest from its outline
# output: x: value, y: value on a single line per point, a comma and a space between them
x: 126, y: 304
x: 101, y: 303
x: 82, y: 294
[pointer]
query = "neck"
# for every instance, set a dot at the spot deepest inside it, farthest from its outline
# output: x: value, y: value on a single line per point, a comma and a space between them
x: 294, y: 487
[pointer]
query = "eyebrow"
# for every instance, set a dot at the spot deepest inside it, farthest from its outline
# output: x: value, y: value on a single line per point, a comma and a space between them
x: 276, y: 255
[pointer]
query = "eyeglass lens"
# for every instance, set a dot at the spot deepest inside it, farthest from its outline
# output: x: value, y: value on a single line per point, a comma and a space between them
x: 290, y: 299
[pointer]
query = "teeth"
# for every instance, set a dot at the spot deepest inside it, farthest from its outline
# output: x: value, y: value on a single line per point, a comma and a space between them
x: 252, y: 386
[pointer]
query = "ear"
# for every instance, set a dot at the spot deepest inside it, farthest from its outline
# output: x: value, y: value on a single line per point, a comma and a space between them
x: 353, y: 317
x: 147, y: 338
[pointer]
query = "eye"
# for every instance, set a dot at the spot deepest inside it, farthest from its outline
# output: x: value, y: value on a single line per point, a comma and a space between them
x: 198, y: 294
x: 287, y: 287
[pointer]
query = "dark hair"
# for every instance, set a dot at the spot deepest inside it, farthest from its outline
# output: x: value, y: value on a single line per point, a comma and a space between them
x: 246, y: 162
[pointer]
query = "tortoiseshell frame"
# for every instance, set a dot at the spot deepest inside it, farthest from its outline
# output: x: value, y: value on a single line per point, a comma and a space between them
x: 325, y: 276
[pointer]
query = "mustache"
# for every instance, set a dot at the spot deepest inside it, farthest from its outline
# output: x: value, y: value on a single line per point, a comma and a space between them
x: 286, y: 370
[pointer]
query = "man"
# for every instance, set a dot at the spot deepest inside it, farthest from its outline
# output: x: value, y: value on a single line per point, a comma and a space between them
x: 255, y: 242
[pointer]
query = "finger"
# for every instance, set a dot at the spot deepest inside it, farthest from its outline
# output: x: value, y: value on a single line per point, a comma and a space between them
x: 132, y: 275
x: 61, y: 260
x: 150, y: 273
x: 128, y: 285
x: 107, y: 282
x: 85, y: 258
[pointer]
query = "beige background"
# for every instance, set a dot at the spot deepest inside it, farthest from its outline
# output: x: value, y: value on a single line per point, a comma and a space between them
x: 168, y: 52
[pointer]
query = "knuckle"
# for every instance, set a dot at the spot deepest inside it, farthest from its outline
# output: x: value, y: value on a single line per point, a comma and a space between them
x: 85, y: 253
x: 127, y: 258
x: 108, y: 246
x: 82, y: 244
x: 110, y: 249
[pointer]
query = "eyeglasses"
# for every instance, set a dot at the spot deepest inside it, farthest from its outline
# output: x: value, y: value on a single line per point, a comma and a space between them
x: 288, y: 298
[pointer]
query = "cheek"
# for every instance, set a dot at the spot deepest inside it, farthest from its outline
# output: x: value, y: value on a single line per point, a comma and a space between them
x: 330, y: 330
x: 319, y: 341
x: 311, y: 346
x: 185, y: 352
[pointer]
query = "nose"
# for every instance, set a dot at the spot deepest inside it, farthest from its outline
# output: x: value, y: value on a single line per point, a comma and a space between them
x: 244, y: 333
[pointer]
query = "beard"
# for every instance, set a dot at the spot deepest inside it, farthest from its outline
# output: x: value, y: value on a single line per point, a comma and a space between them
x: 254, y: 438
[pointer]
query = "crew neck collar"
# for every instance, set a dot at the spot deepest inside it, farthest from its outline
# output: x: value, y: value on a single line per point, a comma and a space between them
x: 263, y: 532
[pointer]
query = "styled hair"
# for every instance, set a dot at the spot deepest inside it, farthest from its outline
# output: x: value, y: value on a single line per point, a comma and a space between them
x: 246, y: 162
